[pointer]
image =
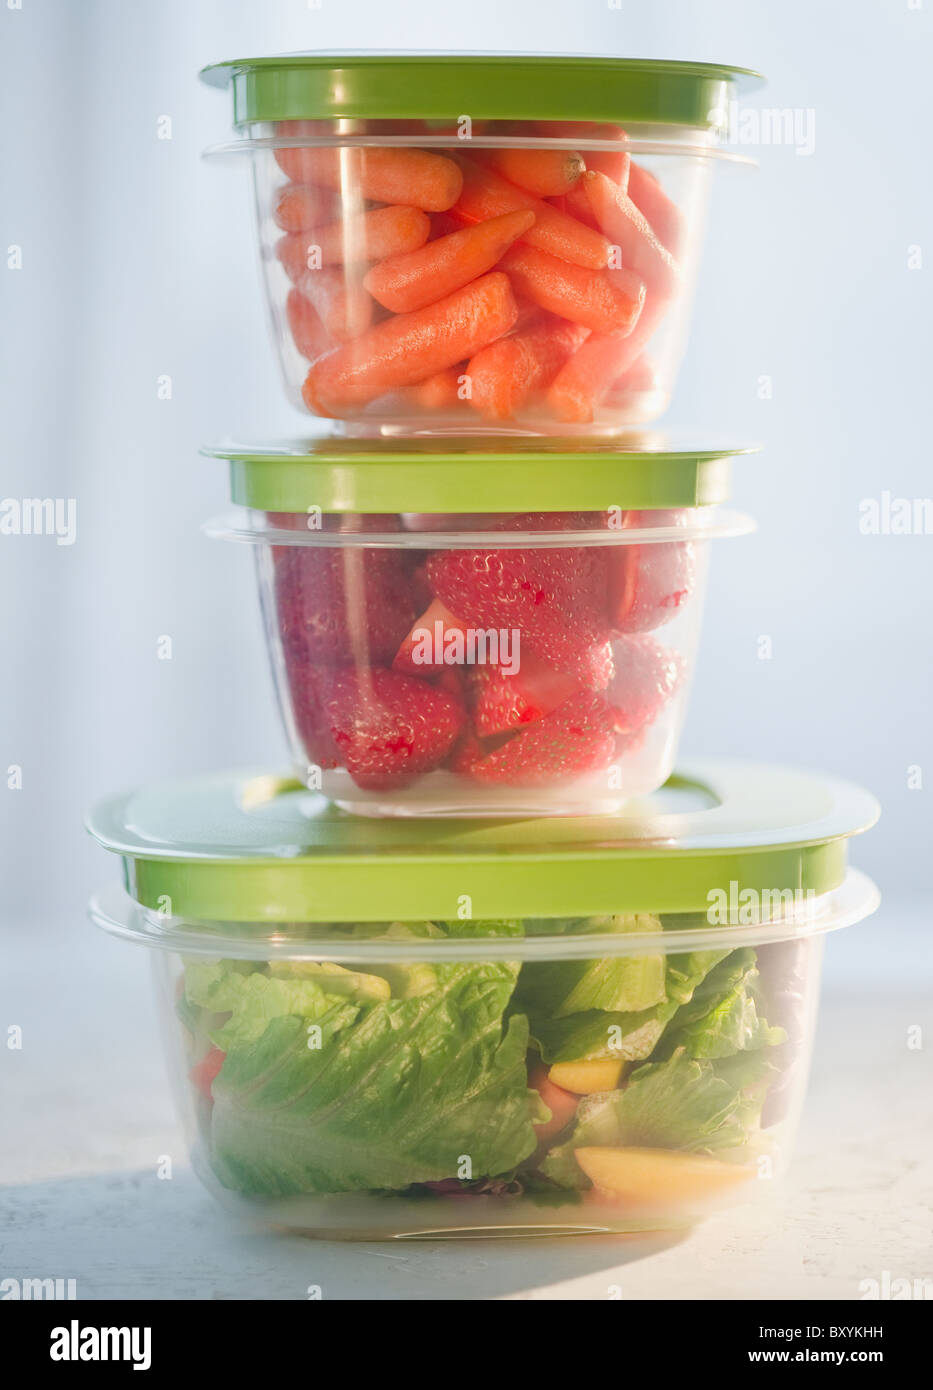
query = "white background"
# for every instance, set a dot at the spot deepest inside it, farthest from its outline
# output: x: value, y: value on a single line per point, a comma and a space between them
x: 138, y: 260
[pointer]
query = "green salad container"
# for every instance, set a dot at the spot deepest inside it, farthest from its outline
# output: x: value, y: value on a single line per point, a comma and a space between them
x: 396, y: 1029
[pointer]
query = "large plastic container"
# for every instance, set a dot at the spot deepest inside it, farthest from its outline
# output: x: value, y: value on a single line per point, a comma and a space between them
x: 400, y: 1030
x: 486, y: 242
x: 533, y: 657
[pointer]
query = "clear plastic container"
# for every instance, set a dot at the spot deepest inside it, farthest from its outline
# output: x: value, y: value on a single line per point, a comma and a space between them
x: 442, y: 1074
x: 478, y: 264
x: 485, y: 663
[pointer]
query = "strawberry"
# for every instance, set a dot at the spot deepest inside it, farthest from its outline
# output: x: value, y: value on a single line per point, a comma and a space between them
x: 467, y: 752
x: 576, y: 739
x: 308, y: 685
x: 388, y: 729
x: 407, y: 658
x: 556, y: 598
x: 502, y: 702
x: 646, y: 677
x: 342, y: 604
x: 648, y: 583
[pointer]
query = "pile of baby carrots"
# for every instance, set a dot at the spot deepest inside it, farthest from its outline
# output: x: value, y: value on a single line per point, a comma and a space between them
x: 502, y: 280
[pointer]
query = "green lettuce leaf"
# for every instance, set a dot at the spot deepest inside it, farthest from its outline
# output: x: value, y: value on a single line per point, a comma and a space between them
x: 416, y: 1090
x: 618, y: 984
x: 721, y: 1017
x: 631, y: 1036
x: 334, y: 979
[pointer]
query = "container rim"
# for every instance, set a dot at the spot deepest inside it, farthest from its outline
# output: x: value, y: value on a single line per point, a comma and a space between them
x: 486, y: 85
x: 719, y: 524
x: 248, y: 846
x: 637, y: 470
x: 667, y: 148
x: 116, y: 912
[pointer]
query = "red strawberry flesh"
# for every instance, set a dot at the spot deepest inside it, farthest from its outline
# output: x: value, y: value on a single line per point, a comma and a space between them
x: 577, y: 739
x: 387, y: 728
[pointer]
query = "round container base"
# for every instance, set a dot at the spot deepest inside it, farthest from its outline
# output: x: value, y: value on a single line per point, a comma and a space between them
x: 640, y: 408
x: 445, y: 795
x: 354, y: 1216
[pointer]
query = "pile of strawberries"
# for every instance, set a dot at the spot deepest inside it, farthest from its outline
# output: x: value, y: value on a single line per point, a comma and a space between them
x: 589, y: 681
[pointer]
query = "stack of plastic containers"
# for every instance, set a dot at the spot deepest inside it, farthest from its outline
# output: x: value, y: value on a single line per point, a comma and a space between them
x: 488, y: 964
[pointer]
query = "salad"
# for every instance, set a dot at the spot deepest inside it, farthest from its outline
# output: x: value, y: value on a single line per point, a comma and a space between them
x: 634, y: 1082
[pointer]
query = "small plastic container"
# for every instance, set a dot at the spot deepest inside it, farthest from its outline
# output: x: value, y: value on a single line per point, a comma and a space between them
x: 477, y: 243
x: 397, y: 1030
x: 531, y: 658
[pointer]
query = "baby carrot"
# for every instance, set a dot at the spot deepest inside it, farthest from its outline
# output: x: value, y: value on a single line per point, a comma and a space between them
x: 298, y: 206
x: 577, y: 205
x: 413, y: 178
x: 604, y: 301
x: 308, y: 332
x: 503, y: 375
x: 441, y: 391
x: 613, y: 163
x: 407, y: 348
x: 546, y: 173
x: 642, y: 375
x: 629, y: 229
x: 665, y: 217
x: 288, y: 158
x: 411, y: 281
x: 296, y: 252
x: 367, y: 236
x: 345, y: 309
x: 486, y: 194
x: 583, y: 383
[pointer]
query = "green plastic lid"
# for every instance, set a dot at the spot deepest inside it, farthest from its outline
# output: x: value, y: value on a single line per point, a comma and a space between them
x: 484, y: 86
x: 247, y: 847
x: 460, y: 475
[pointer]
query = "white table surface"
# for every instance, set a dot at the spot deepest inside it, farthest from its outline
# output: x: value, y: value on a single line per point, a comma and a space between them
x: 86, y: 1115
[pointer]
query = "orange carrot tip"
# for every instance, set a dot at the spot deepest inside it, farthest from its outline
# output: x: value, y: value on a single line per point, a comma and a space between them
x: 407, y: 348
x: 344, y: 307
x: 412, y: 281
x: 545, y: 173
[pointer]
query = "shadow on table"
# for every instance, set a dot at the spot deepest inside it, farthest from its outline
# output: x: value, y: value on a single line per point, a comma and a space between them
x: 136, y: 1235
